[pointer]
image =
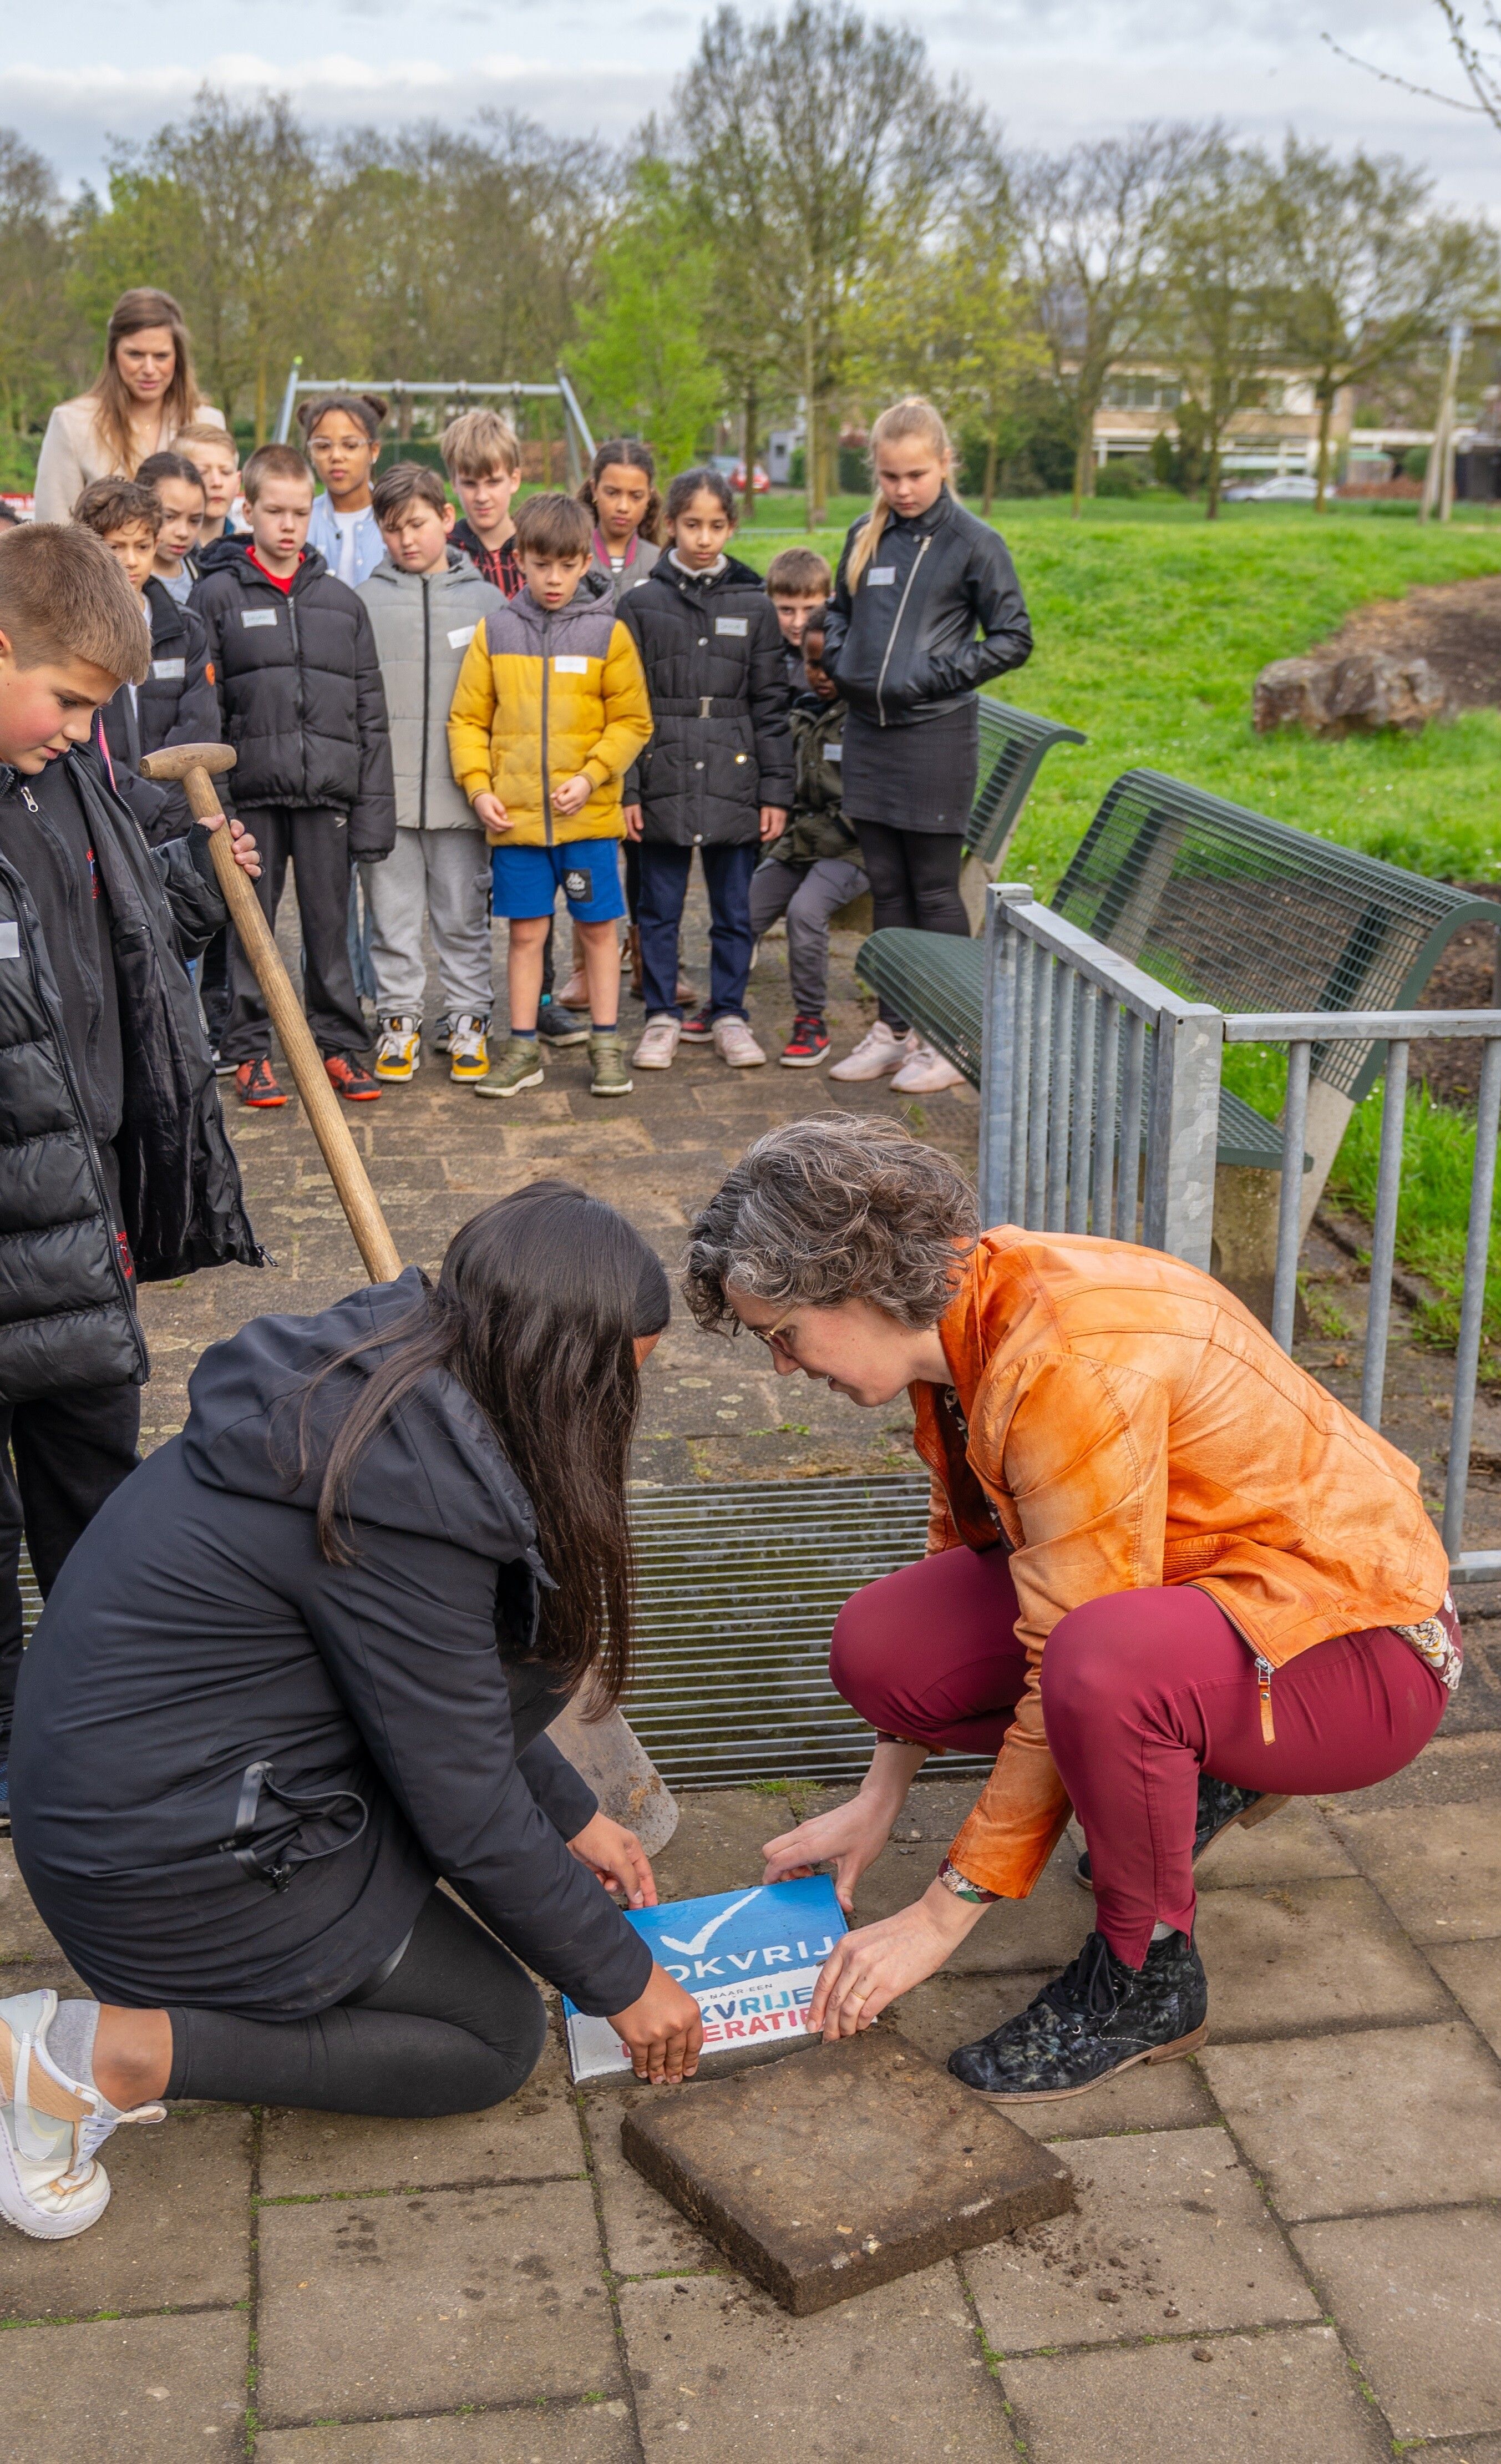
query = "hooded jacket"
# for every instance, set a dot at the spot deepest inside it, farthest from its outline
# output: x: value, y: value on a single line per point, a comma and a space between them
x: 816, y: 827
x: 903, y: 646
x: 176, y: 705
x: 717, y: 673
x: 238, y: 1770
x: 1130, y: 1424
x: 423, y: 622
x: 299, y: 690
x: 67, y: 1314
x: 543, y: 695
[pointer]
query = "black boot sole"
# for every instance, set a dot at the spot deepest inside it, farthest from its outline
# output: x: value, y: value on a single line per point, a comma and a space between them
x: 1246, y: 1822
x: 1172, y: 2053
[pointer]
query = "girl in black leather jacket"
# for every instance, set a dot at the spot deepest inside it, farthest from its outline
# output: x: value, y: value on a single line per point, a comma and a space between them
x: 926, y: 606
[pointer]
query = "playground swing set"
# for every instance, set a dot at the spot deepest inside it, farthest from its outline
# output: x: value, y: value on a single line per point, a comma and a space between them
x: 579, y: 443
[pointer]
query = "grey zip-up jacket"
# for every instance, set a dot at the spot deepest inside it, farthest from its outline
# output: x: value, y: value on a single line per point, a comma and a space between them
x: 423, y: 622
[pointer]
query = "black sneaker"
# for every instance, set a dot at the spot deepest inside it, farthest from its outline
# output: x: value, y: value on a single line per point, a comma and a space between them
x: 1099, y: 2018
x: 699, y: 1029
x: 1221, y: 1808
x: 558, y: 1026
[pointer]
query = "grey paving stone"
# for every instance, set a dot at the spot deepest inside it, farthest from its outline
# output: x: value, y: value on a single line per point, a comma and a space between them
x: 950, y: 2011
x: 1472, y: 1972
x: 1419, y: 2298
x: 164, y: 2390
x: 1297, y: 1844
x: 1441, y: 1876
x: 1256, y: 2400
x: 534, y: 2133
x: 45, y: 1967
x: 388, y: 2304
x: 643, y: 2232
x: 575, y: 2434
x: 1044, y: 1931
x: 719, y: 2370
x: 1171, y: 2237
x: 718, y: 1841
x: 176, y: 2230
x: 1341, y: 2126
x: 1284, y: 1959
x: 22, y: 1932
x: 1450, y: 1770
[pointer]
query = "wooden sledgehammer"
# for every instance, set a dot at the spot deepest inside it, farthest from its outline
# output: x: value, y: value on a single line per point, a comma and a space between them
x: 196, y: 766
x: 607, y: 1753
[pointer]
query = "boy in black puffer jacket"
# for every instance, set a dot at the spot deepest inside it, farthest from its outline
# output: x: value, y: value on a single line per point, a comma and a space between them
x: 718, y: 772
x: 175, y: 702
x: 299, y: 687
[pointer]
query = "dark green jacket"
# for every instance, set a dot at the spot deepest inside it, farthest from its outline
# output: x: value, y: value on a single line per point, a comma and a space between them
x: 817, y: 826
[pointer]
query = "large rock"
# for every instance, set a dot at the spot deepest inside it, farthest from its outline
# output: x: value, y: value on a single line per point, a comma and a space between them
x: 610, y: 1757
x: 1292, y: 693
x: 1363, y: 694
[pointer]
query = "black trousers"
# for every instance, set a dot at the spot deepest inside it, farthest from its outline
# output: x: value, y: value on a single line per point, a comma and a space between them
x: 914, y: 881
x: 317, y: 843
x: 60, y: 1458
x: 456, y: 2027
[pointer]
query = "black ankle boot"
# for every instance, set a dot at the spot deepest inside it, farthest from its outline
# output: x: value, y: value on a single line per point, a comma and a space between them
x: 1221, y: 1808
x: 1099, y: 2018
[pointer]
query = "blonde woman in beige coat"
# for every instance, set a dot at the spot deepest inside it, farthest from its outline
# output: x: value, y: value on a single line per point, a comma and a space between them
x: 142, y: 395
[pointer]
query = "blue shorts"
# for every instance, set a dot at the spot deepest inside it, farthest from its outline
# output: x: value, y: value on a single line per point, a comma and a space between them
x: 526, y: 880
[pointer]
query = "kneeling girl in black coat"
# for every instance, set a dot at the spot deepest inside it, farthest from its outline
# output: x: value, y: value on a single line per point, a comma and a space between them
x: 299, y: 1671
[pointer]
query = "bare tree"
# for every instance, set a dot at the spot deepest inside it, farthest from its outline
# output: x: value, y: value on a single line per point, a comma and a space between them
x: 1222, y: 298
x: 1093, y: 228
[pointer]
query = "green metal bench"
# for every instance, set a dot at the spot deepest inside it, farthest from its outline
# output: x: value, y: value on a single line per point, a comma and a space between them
x: 1222, y: 905
x: 1012, y: 745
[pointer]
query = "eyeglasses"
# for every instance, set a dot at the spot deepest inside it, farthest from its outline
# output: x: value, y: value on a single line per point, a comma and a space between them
x: 774, y: 1340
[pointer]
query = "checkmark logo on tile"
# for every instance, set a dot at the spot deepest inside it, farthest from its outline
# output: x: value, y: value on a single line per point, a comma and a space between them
x: 706, y: 1933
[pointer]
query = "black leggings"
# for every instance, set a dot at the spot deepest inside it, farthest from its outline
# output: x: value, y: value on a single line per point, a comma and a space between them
x: 914, y: 880
x: 456, y: 2027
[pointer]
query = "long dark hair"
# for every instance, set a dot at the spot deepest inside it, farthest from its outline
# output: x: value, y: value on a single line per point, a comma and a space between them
x: 536, y: 1312
x: 631, y: 455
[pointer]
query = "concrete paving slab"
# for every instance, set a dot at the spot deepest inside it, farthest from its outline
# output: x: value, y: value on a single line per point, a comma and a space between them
x: 1285, y: 1959
x: 1297, y: 1844
x: 644, y: 2233
x: 1450, y: 1770
x: 390, y: 2305
x: 718, y: 1841
x: 31, y: 1975
x: 1250, y: 2400
x: 950, y: 2011
x: 1419, y: 2298
x: 1441, y: 1876
x: 534, y: 2134
x: 719, y: 2370
x: 177, y: 2229
x: 1170, y: 2237
x: 846, y: 2166
x: 1472, y: 1972
x: 1044, y: 1931
x: 1343, y: 2125
x: 166, y: 2390
x: 580, y: 2433
x: 22, y: 1932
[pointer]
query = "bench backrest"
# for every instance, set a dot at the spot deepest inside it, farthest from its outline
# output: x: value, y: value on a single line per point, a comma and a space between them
x: 1013, y: 743
x: 1229, y: 906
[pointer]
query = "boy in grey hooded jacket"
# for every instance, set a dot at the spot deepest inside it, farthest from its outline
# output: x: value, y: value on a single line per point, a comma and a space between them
x: 425, y: 601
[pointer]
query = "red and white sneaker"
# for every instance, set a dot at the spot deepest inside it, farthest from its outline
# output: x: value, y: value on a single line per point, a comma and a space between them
x: 807, y: 1044
x: 351, y: 1079
x: 255, y: 1085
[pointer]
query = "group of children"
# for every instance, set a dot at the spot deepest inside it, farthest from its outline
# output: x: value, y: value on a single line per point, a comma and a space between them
x: 478, y: 712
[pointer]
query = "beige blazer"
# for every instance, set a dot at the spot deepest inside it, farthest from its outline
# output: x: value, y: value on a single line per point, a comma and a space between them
x: 73, y: 454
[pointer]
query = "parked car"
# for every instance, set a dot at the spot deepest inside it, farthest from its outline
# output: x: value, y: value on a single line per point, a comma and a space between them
x: 735, y: 473
x: 1285, y: 488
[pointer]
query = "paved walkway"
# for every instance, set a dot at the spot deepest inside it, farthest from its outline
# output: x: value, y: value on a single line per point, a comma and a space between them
x: 1289, y: 2247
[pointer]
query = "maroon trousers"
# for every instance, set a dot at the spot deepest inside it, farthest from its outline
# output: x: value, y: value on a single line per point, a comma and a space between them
x: 1141, y: 1691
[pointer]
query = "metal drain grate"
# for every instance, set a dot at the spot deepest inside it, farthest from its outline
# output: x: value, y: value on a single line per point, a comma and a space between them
x: 738, y: 1588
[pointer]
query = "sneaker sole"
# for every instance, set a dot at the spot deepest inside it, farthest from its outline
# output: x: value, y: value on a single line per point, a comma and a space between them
x: 639, y: 1063
x: 612, y: 1090
x: 395, y: 1077
x: 745, y: 1062
x: 503, y: 1094
x: 263, y: 1103
x: 17, y: 2209
x: 1172, y: 2053
x: 1246, y: 1822
x: 366, y: 1095
x: 464, y: 1076
x: 802, y: 1060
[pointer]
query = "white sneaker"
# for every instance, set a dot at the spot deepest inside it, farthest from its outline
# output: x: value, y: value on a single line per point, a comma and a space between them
x: 399, y: 1051
x: 876, y: 1055
x: 51, y: 2186
x: 926, y: 1074
x: 469, y: 1048
x: 659, y: 1044
x: 736, y: 1045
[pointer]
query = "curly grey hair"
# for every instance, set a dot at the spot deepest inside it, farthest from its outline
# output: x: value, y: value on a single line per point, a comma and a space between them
x: 839, y: 1207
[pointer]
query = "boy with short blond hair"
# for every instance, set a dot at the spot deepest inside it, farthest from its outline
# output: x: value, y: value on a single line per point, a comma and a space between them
x: 482, y: 455
x: 216, y: 458
x: 550, y: 712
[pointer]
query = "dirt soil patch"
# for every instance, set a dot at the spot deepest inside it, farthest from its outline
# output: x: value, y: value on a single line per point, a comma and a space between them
x: 1455, y: 626
x: 1465, y: 978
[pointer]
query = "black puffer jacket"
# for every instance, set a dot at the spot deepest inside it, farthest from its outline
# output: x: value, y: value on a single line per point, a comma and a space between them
x: 67, y: 1319
x: 903, y: 646
x: 197, y: 1630
x: 720, y: 747
x: 299, y: 687
x: 176, y: 705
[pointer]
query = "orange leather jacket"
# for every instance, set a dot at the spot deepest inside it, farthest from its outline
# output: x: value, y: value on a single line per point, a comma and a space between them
x: 1131, y: 1424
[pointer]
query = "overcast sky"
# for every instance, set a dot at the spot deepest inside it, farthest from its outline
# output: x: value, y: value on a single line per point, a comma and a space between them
x: 84, y: 71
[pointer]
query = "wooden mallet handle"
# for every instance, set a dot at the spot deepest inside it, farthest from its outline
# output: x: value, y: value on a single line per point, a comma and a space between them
x: 195, y: 766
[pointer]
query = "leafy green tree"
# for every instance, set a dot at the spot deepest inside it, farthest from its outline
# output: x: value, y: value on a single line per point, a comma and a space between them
x: 644, y: 359
x: 1219, y: 316
x: 43, y: 347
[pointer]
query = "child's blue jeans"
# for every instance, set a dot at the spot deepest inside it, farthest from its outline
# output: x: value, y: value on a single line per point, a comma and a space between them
x: 658, y: 912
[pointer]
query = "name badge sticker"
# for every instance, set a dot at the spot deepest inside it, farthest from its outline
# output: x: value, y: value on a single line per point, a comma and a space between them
x: 252, y: 616
x: 833, y: 753
x: 570, y: 667
x: 9, y: 940
x: 735, y: 624
x: 462, y: 636
x: 169, y: 671
x: 882, y: 576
